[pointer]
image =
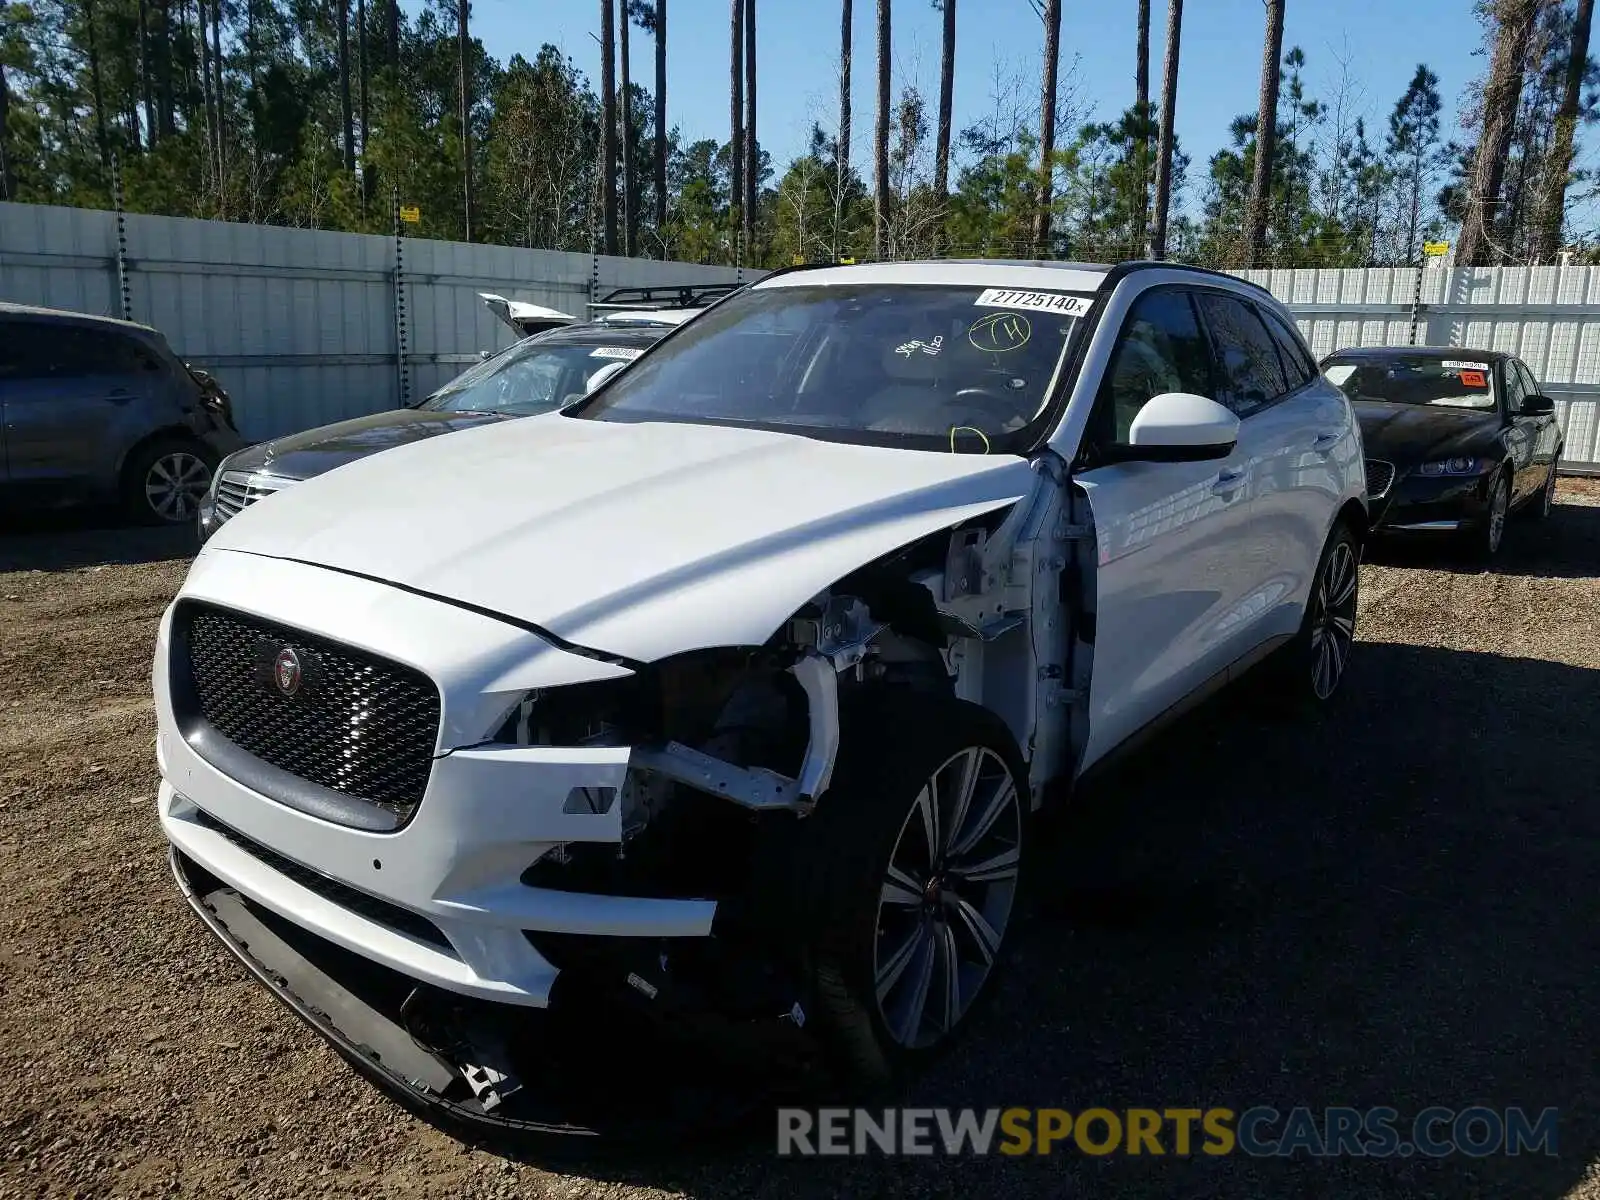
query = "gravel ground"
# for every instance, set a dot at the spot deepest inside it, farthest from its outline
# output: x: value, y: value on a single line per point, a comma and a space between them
x: 1394, y: 905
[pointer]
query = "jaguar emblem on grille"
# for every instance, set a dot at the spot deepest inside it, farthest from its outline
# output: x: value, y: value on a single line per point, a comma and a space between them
x: 286, y: 671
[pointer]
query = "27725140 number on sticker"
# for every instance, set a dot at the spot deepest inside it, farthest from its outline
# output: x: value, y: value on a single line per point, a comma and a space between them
x: 1057, y: 302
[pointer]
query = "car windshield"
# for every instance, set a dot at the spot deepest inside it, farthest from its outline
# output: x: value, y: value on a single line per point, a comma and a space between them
x: 530, y: 377
x: 1414, y: 379
x: 935, y: 367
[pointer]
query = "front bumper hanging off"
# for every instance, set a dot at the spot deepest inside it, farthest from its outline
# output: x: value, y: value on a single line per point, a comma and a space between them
x: 604, y: 1061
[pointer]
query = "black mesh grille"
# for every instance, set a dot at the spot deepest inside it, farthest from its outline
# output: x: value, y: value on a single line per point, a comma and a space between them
x: 357, y: 724
x: 402, y: 920
x: 1380, y: 475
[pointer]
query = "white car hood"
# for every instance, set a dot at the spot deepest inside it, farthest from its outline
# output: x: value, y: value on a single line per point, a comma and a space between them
x: 639, y: 540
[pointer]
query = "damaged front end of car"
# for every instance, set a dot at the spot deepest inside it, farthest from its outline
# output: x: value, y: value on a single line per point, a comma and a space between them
x: 658, y: 1018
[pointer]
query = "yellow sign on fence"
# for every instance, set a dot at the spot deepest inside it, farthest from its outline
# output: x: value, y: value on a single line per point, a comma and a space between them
x: 1435, y: 249
x: 410, y: 214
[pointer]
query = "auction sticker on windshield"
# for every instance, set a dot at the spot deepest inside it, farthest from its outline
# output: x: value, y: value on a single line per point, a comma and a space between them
x: 1451, y: 364
x: 623, y: 353
x: 1067, y: 306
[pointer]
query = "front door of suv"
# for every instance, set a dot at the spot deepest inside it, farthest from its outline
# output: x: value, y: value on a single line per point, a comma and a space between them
x: 1179, y: 550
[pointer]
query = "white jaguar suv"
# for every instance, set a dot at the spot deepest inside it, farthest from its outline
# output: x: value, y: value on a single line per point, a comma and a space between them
x: 726, y: 695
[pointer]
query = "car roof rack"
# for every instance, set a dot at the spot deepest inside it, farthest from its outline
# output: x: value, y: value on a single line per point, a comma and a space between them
x: 665, y: 296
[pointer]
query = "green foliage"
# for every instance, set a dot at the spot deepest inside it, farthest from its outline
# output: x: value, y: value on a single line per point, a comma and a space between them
x: 267, y: 145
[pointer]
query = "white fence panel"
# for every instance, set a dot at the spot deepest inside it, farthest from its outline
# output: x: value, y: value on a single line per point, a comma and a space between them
x: 301, y: 325
x: 1547, y: 316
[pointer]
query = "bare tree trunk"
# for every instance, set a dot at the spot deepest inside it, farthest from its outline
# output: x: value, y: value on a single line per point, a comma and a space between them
x: 1141, y: 108
x: 1558, y: 169
x: 947, y: 79
x: 252, y: 58
x: 8, y: 187
x: 164, y: 109
x: 843, y: 156
x: 464, y: 50
x: 1255, y: 221
x: 608, y: 122
x: 213, y: 155
x: 363, y: 47
x: 146, y: 97
x: 252, y: 63
x: 752, y: 154
x: 96, y: 88
x: 392, y: 30
x: 217, y: 88
x: 736, y: 121
x: 880, y: 139
x: 1047, y: 126
x: 630, y: 201
x: 345, y: 109
x: 1169, y: 108
x: 1501, y: 97
x: 661, y: 122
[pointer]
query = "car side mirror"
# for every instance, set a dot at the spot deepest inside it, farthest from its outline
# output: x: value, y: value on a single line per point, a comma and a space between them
x: 1537, y: 406
x: 603, y: 374
x: 1181, y: 427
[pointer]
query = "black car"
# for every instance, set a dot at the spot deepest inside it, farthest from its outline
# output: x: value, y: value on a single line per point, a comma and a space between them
x: 1455, y: 439
x: 537, y: 375
x: 96, y: 410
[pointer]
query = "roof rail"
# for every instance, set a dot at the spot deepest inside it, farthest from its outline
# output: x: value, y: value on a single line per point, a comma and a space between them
x: 666, y: 295
x: 1123, y: 269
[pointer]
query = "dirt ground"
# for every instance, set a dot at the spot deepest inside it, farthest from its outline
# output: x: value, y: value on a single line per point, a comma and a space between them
x: 1394, y: 905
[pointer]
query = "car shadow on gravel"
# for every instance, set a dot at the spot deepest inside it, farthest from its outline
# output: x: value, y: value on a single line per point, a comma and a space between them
x: 1565, y: 545
x: 1391, y: 905
x: 71, y: 540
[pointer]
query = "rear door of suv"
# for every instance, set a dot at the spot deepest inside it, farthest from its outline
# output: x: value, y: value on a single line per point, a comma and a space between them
x: 73, y: 392
x: 1298, y: 428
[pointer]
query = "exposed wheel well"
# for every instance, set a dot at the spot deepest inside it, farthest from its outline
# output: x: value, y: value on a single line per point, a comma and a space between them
x: 176, y: 433
x: 1355, y: 515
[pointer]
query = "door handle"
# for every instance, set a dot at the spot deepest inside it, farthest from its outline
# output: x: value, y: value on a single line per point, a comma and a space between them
x: 119, y: 395
x: 1230, y: 481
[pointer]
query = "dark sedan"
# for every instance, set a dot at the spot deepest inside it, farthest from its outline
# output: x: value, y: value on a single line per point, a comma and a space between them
x: 534, y: 376
x: 1456, y: 440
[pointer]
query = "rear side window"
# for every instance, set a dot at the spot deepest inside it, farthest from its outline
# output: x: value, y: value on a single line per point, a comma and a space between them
x: 1250, y: 372
x: 1297, y: 365
x: 48, y: 350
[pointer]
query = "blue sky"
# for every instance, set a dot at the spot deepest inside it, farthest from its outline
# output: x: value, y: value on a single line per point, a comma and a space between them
x: 797, y: 56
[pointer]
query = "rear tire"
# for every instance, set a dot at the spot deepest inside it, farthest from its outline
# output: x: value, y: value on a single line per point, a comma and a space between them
x: 164, y: 481
x: 915, y: 859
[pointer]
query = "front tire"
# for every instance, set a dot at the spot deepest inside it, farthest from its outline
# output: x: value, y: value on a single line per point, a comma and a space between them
x: 1314, y: 663
x: 1488, y: 537
x: 918, y: 847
